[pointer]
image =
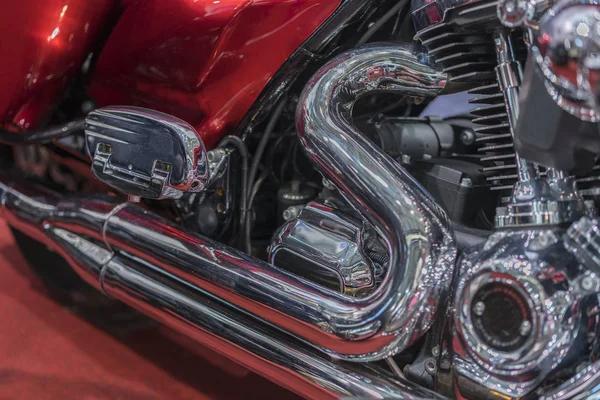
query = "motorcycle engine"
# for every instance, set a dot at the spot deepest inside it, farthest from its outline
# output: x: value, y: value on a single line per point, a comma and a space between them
x: 525, y: 298
x: 525, y: 302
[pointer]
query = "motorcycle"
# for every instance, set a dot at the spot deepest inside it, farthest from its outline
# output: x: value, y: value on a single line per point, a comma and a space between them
x: 299, y: 186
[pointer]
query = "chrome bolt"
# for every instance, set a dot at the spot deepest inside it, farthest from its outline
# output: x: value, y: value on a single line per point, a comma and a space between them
x: 467, y: 137
x: 328, y: 184
x: 287, y: 215
x: 587, y: 283
x: 435, y: 351
x: 479, y: 308
x: 525, y: 328
x: 291, y: 212
x: 542, y: 241
x: 430, y: 366
x: 214, y: 156
x: 515, y: 13
x: 466, y: 182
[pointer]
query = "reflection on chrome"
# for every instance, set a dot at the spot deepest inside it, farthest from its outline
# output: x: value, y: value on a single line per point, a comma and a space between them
x: 415, y: 230
x: 79, y: 230
x: 583, y: 386
x: 565, y: 49
x: 532, y: 283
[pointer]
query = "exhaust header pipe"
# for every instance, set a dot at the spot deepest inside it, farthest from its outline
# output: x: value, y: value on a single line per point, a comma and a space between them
x: 419, y: 240
x: 75, y: 227
x: 198, y: 285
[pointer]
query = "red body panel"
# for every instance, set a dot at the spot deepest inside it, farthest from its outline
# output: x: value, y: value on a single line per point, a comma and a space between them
x: 43, y: 43
x: 205, y: 61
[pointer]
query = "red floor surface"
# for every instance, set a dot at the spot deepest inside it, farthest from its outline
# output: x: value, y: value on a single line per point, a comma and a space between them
x: 47, y: 351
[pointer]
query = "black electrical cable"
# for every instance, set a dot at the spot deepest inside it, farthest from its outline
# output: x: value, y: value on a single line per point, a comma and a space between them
x: 269, y: 167
x: 260, y: 149
x: 377, y: 25
x: 41, y: 136
x: 264, y: 140
x: 244, y: 154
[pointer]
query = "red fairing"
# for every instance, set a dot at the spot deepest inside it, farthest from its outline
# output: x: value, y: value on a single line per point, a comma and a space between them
x: 43, y: 45
x: 205, y: 61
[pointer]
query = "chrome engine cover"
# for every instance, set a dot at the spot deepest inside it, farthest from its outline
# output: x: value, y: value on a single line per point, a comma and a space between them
x: 331, y: 248
x: 523, y: 308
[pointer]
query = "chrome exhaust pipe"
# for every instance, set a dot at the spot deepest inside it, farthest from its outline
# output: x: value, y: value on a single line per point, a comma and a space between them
x: 417, y: 233
x: 75, y: 227
x: 419, y: 240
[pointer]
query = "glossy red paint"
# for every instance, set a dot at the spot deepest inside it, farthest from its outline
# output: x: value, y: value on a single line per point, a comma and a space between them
x: 43, y: 44
x: 205, y: 61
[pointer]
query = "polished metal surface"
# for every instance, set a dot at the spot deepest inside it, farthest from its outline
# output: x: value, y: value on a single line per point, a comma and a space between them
x: 146, y: 153
x: 514, y: 13
x: 550, y: 200
x: 536, y: 201
x: 420, y: 244
x: 565, y: 48
x: 75, y: 227
x: 583, y: 386
x: 509, y: 74
x: 414, y: 228
x: 523, y: 13
x: 583, y: 240
x: 536, y: 269
x: 329, y: 247
x: 427, y: 13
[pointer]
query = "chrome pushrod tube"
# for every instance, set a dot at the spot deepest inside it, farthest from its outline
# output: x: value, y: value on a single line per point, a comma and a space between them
x: 185, y: 308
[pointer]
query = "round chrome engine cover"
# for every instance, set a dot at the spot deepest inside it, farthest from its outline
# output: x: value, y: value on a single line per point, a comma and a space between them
x: 520, y: 308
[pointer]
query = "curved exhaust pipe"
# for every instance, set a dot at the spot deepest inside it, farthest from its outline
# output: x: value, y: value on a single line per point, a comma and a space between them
x: 74, y: 228
x: 419, y: 239
x: 417, y: 233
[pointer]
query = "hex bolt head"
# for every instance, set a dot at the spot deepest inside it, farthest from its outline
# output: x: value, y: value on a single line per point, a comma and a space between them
x: 430, y: 366
x: 587, y: 283
x: 479, y: 308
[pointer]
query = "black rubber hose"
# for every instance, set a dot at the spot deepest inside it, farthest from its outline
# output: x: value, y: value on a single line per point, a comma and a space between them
x: 260, y: 149
x: 262, y: 145
x: 41, y: 136
x: 244, y: 154
x: 377, y: 25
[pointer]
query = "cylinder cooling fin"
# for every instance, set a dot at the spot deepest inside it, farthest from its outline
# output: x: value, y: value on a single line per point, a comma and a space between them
x: 463, y: 46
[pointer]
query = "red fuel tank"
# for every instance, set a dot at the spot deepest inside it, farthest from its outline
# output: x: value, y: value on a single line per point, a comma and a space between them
x: 43, y: 45
x: 205, y: 61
